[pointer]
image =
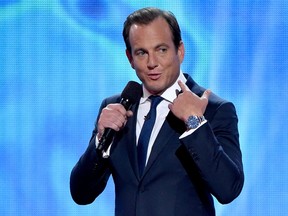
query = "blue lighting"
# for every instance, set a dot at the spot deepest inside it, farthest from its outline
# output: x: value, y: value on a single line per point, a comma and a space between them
x: 60, y: 58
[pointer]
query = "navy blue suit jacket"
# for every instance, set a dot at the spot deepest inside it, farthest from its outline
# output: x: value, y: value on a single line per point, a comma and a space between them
x: 181, y: 174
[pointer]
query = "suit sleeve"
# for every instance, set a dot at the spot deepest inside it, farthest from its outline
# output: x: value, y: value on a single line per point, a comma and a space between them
x: 89, y: 176
x: 215, y: 150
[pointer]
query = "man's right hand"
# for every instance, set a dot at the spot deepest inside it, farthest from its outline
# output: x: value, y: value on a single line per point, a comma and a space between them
x: 113, y: 116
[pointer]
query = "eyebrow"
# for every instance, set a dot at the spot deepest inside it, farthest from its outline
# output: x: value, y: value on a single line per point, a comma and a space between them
x: 156, y: 47
x: 162, y: 44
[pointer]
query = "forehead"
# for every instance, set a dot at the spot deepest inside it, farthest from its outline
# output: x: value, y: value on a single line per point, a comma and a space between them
x: 158, y: 31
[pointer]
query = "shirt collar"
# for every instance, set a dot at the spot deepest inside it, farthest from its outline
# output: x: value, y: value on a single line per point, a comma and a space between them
x: 169, y: 94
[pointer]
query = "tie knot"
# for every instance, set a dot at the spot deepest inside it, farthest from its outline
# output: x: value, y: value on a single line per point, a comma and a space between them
x: 155, y: 100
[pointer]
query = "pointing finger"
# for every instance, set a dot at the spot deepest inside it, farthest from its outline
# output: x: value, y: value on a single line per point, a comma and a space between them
x: 183, y: 86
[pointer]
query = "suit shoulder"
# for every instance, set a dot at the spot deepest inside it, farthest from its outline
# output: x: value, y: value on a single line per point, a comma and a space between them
x: 218, y: 104
x: 111, y: 99
x: 216, y: 100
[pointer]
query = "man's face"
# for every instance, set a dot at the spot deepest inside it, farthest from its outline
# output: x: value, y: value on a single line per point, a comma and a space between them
x: 154, y: 56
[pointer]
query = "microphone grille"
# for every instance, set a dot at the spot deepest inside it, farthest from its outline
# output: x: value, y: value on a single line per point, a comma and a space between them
x: 132, y: 92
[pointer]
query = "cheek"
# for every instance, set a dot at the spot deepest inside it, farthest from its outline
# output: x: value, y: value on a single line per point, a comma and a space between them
x: 173, y: 74
x: 139, y: 73
x: 139, y: 68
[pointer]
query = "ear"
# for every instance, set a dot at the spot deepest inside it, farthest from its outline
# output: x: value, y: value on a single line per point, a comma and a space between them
x: 181, y: 51
x: 130, y: 58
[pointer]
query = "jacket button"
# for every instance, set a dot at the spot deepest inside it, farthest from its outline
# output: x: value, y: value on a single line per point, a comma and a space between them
x: 194, y: 155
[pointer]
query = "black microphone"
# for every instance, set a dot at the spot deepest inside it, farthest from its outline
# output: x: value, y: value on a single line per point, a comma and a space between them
x: 129, y: 96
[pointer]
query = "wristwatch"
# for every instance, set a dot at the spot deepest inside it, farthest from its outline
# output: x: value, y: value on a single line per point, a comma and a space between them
x: 194, y: 121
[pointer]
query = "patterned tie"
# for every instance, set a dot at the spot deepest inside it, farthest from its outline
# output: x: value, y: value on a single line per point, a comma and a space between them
x: 144, y: 136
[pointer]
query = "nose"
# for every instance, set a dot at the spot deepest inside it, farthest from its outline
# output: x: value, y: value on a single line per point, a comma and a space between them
x: 152, y: 61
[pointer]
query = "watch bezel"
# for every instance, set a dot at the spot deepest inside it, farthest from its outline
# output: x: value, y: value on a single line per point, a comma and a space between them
x: 194, y: 121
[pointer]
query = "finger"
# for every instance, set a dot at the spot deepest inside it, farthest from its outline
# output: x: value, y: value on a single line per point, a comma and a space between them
x: 183, y: 86
x: 119, y: 108
x: 100, y: 131
x: 206, y: 94
x: 129, y: 113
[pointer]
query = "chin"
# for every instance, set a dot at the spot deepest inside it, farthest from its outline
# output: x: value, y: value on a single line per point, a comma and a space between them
x: 154, y: 87
x: 155, y: 90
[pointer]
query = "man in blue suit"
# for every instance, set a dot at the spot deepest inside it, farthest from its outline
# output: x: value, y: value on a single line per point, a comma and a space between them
x: 193, y: 152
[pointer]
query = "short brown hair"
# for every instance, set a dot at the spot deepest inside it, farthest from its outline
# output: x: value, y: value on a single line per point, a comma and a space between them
x: 147, y: 15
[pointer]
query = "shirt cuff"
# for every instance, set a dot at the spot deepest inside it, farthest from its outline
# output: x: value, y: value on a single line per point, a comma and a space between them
x: 104, y: 154
x: 186, y: 133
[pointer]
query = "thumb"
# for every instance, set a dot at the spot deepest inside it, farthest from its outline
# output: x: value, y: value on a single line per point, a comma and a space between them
x: 206, y: 94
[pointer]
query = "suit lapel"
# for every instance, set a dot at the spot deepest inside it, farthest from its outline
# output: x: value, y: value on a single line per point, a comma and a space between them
x: 171, y: 127
x: 193, y: 86
x: 160, y: 142
x: 131, y: 143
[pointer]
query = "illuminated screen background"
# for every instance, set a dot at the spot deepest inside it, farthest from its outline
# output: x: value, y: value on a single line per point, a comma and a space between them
x: 60, y: 58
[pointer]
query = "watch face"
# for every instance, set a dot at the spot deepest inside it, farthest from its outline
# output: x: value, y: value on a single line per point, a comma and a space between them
x: 192, y: 122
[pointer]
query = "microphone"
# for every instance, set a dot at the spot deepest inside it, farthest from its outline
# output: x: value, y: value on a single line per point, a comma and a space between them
x: 129, y: 96
x: 146, y: 117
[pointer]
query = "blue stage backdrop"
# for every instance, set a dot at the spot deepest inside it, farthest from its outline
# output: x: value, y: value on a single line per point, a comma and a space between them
x: 60, y: 58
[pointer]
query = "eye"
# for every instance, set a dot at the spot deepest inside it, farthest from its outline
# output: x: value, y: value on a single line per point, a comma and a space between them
x: 162, y: 49
x: 140, y: 52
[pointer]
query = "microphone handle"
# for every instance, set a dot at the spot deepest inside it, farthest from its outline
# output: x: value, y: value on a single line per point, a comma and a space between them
x: 105, y: 140
x: 109, y: 133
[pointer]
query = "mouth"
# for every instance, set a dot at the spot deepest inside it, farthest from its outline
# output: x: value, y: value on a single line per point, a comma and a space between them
x: 154, y: 76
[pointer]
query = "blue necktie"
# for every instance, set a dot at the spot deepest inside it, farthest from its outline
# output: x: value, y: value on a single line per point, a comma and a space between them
x: 144, y: 136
